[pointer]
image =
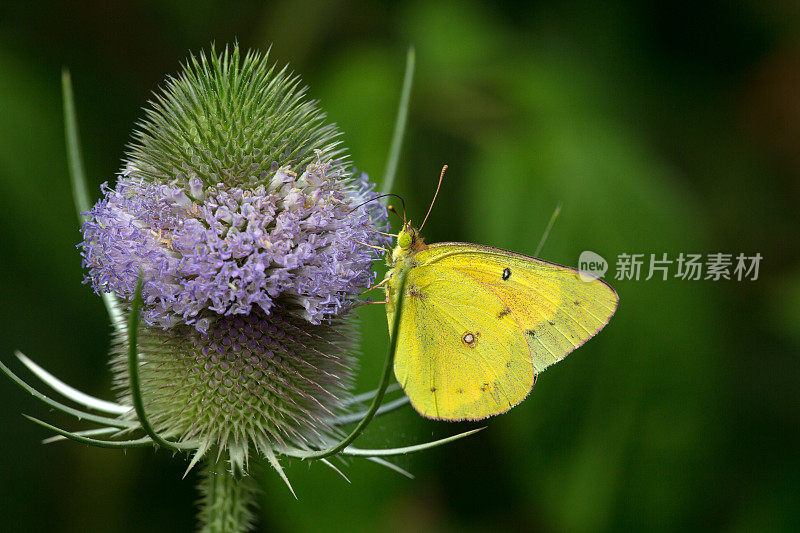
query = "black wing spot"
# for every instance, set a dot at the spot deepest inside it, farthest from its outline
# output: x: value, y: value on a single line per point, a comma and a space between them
x: 551, y: 322
x: 531, y: 332
x: 506, y: 273
x: 484, y: 387
x: 503, y: 313
x: 433, y: 389
x: 576, y: 302
x: 508, y: 364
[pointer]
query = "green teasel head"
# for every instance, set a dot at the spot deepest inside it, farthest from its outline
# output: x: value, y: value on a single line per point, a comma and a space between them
x: 251, y: 233
x: 256, y: 384
x: 232, y: 120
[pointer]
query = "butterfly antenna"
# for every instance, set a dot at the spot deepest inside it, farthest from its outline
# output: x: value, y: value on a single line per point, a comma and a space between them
x: 553, y: 218
x: 441, y: 177
x: 377, y: 198
x: 402, y: 217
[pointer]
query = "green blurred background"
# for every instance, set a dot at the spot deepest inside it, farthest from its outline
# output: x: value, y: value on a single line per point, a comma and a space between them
x: 661, y: 126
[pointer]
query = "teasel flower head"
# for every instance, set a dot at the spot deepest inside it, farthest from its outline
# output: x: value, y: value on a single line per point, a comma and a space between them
x: 229, y: 253
x: 251, y: 233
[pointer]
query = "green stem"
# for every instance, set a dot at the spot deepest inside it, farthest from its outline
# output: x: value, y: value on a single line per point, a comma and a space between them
x: 133, y: 377
x: 399, y: 126
x: 227, y: 501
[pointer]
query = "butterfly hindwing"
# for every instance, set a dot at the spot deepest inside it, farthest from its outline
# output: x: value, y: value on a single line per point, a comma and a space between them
x: 453, y: 359
x: 478, y: 324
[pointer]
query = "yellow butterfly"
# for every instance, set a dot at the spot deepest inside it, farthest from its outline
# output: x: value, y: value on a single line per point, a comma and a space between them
x: 479, y: 323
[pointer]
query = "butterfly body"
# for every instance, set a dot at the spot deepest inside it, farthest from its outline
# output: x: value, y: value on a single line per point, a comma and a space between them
x: 479, y: 323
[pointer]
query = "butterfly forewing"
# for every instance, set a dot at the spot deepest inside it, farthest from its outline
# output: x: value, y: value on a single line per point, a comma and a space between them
x: 552, y: 305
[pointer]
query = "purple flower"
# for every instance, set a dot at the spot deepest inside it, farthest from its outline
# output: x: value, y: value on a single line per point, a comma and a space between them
x: 297, y: 240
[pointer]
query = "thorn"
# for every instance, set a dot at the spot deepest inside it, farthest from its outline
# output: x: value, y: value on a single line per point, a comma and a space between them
x: 333, y: 467
x: 391, y: 466
x: 197, y: 456
x: 274, y: 462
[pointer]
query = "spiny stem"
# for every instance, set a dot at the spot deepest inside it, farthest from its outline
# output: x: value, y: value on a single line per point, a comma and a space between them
x: 227, y: 501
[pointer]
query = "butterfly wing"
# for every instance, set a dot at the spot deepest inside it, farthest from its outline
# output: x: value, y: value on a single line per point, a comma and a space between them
x: 479, y: 323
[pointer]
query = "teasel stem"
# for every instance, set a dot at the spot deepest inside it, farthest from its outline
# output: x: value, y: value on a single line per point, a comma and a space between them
x: 227, y: 500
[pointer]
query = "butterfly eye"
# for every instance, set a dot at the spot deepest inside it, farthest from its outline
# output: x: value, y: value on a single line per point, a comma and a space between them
x: 404, y: 240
